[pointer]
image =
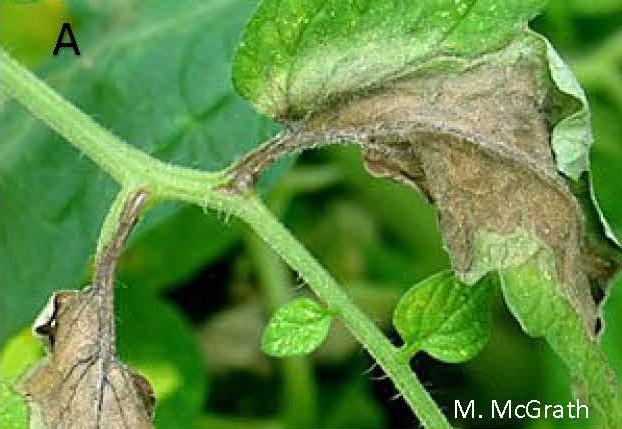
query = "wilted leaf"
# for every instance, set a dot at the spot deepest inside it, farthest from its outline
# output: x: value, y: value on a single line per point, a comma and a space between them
x: 445, y: 318
x: 297, y: 328
x: 474, y: 138
x: 492, y: 128
x: 63, y: 390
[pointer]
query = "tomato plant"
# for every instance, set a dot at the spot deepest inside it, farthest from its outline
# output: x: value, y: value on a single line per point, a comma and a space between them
x: 201, y: 124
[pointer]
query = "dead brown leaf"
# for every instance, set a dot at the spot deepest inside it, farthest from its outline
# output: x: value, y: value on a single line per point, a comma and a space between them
x: 476, y: 143
x: 81, y: 384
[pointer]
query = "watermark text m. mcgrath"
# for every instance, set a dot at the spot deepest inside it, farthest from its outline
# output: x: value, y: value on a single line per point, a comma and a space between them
x: 533, y: 409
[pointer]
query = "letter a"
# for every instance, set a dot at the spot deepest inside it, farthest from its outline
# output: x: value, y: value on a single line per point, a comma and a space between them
x: 72, y: 40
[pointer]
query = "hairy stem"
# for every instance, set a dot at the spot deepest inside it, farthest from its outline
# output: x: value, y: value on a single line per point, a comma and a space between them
x: 126, y: 164
x: 135, y: 169
x: 364, y: 330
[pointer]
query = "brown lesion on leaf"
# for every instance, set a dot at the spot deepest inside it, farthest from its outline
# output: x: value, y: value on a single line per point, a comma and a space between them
x: 81, y: 383
x: 476, y: 143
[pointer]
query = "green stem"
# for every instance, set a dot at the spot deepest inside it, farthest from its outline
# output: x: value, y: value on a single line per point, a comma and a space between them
x: 326, y: 288
x: 133, y: 168
x: 126, y: 164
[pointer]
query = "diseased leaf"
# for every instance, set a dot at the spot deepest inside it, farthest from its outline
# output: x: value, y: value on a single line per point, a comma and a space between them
x: 63, y: 390
x: 297, y: 328
x: 445, y: 318
x: 146, y: 347
x: 572, y: 135
x: 494, y: 131
x: 156, y: 74
x: 82, y: 383
x: 481, y: 154
x: 297, y: 55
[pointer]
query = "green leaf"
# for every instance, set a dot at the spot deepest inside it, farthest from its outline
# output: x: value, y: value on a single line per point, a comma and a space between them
x: 535, y: 298
x: 447, y: 319
x: 20, y: 353
x: 572, y: 135
x: 155, y: 339
x: 297, y: 55
x: 156, y: 74
x: 295, y: 329
x: 13, y: 408
x: 571, y: 141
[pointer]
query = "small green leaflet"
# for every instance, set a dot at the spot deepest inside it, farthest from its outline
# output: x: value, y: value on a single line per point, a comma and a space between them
x: 445, y: 317
x: 297, y: 328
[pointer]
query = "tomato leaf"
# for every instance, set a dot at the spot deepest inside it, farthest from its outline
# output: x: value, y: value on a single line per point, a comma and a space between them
x: 532, y: 294
x: 461, y: 101
x: 297, y: 328
x: 445, y: 318
x: 297, y: 55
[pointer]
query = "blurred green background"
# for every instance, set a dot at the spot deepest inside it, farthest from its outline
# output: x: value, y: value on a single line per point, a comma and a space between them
x: 194, y: 293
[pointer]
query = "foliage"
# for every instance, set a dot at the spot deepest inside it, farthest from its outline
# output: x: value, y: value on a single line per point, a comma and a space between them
x: 445, y: 318
x: 408, y: 90
x: 297, y: 328
x: 376, y: 237
x: 297, y: 55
